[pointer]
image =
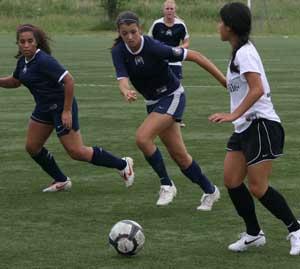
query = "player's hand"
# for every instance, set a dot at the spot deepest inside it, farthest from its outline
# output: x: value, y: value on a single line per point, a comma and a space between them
x: 66, y: 118
x: 130, y: 96
x: 221, y: 117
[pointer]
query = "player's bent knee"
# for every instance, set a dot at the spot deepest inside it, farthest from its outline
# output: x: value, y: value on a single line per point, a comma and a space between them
x: 32, y: 150
x: 183, y: 161
x: 256, y: 190
x: 231, y: 183
x: 141, y: 141
x: 76, y: 154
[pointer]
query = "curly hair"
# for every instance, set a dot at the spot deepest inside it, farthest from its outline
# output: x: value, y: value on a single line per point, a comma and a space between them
x: 40, y: 36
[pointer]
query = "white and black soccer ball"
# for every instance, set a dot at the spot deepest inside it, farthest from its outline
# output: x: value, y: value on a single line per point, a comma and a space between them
x: 127, y: 237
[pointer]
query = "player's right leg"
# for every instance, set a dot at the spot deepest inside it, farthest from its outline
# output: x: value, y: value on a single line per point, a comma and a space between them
x: 73, y: 144
x: 37, y: 135
x: 235, y: 171
x: 152, y: 126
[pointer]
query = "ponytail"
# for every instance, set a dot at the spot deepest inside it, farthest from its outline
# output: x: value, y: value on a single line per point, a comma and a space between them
x: 117, y: 41
x: 237, y: 17
x: 241, y: 42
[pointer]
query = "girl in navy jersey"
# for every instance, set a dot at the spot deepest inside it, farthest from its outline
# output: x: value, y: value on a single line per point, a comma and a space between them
x: 144, y: 61
x: 52, y: 87
x: 171, y: 31
x: 258, y: 136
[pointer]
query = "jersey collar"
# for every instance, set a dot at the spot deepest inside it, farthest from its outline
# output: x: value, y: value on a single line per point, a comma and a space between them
x: 27, y: 61
x: 139, y: 50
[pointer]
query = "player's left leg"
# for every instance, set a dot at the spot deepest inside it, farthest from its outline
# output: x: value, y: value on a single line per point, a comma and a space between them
x: 172, y: 139
x: 272, y: 200
x: 37, y: 135
x: 74, y: 146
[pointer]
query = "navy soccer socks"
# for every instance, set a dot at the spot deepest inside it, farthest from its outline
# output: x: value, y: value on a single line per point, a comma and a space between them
x: 45, y: 159
x: 106, y: 159
x: 194, y: 173
x: 157, y: 163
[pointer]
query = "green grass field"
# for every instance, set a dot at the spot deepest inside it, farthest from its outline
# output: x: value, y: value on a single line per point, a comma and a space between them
x: 70, y: 230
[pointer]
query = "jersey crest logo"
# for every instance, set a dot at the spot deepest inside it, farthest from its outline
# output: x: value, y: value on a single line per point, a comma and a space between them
x: 169, y: 32
x: 24, y: 69
x: 139, y: 60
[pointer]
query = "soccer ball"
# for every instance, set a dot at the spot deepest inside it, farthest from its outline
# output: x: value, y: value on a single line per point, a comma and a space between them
x: 127, y: 237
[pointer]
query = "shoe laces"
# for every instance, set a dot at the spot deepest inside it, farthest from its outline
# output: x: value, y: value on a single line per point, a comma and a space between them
x: 242, y: 235
x: 207, y: 199
x: 164, y: 190
x: 294, y: 236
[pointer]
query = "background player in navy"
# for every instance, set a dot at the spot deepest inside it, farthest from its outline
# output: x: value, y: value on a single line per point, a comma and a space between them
x: 258, y: 137
x: 144, y: 61
x: 52, y: 88
x: 171, y: 31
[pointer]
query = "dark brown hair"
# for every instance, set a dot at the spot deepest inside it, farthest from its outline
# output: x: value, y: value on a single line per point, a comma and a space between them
x: 237, y: 16
x: 40, y: 36
x: 125, y: 17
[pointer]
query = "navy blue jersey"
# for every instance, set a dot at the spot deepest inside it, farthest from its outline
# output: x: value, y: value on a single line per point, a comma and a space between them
x: 148, y: 68
x: 43, y: 76
x: 171, y: 36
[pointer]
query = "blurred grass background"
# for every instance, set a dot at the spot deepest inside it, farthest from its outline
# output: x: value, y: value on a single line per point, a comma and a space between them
x: 73, y: 16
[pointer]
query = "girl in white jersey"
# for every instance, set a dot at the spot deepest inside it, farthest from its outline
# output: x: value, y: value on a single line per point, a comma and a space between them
x: 258, y: 136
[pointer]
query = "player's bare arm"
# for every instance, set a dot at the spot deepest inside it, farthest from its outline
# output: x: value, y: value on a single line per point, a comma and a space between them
x: 9, y: 82
x: 205, y: 63
x: 129, y: 94
x: 255, y: 92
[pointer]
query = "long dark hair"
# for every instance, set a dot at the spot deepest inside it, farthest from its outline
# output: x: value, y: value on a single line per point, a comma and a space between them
x: 40, y: 36
x: 127, y: 17
x: 237, y: 16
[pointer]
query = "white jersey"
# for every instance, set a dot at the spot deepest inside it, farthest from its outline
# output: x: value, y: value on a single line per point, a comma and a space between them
x: 248, y: 60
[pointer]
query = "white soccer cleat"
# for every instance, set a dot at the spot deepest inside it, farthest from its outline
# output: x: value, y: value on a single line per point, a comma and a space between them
x: 246, y: 241
x: 59, y: 186
x: 166, y: 194
x: 208, y: 199
x: 127, y: 173
x: 294, y: 238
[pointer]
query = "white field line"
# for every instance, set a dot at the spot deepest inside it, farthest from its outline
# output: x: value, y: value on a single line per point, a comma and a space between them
x: 278, y: 85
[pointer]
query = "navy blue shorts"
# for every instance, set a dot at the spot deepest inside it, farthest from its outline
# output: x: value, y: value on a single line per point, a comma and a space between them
x: 262, y: 140
x: 177, y: 70
x: 53, y: 117
x: 172, y: 104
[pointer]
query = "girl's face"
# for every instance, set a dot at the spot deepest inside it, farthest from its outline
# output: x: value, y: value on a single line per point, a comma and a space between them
x: 131, y: 35
x: 224, y: 31
x: 27, y: 44
x: 169, y: 11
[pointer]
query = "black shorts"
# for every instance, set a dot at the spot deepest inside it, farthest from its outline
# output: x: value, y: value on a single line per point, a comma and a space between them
x: 53, y: 117
x: 262, y: 140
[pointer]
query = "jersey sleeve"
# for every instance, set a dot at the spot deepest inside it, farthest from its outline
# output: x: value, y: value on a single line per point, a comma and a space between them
x: 53, y: 69
x: 16, y: 72
x: 172, y: 54
x: 185, y: 32
x: 247, y: 61
x: 118, y: 61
